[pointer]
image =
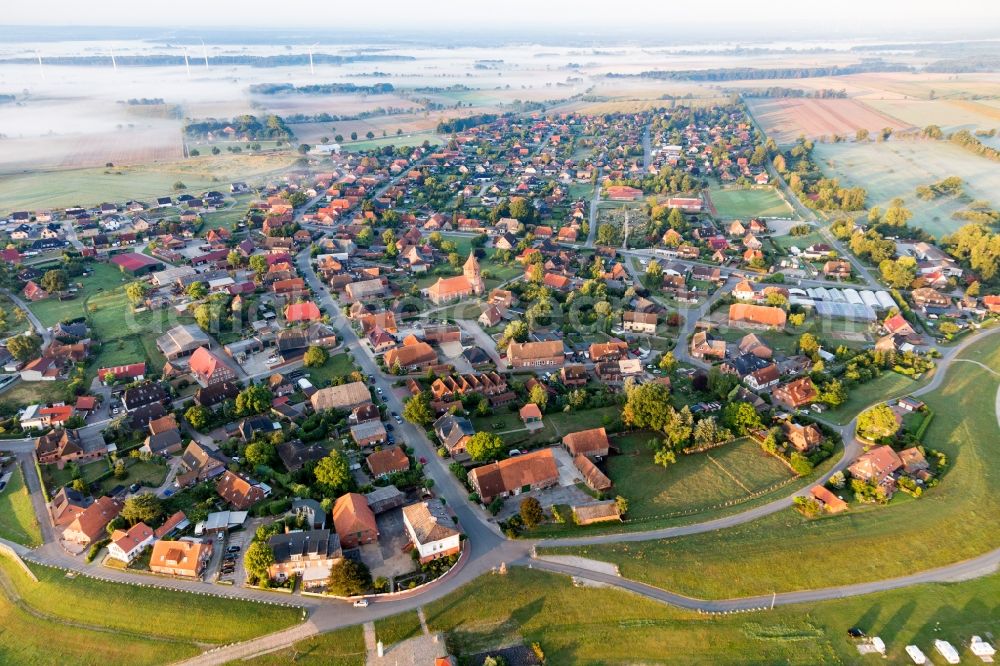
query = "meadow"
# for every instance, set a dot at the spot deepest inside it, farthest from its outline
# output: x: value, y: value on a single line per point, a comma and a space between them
x: 956, y: 520
x: 742, y: 204
x: 343, y: 647
x: 17, y: 515
x: 896, y: 168
x: 588, y: 625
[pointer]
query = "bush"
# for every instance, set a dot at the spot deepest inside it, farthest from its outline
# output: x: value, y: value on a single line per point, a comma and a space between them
x: 95, y: 548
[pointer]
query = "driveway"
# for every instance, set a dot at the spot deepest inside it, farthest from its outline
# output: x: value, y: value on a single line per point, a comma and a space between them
x: 387, y: 558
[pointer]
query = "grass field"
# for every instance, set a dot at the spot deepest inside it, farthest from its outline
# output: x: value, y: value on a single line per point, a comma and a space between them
x: 151, y: 612
x: 802, y: 242
x: 889, y: 385
x: 343, y: 647
x: 956, y: 520
x: 897, y: 168
x: 575, y: 625
x: 339, y: 365
x: 744, y: 204
x: 29, y: 393
x: 103, y: 278
x: 58, y: 189
x: 17, y: 516
x: 508, y: 425
x: 413, y: 140
x: 148, y: 474
x: 699, y: 481
x: 395, y: 628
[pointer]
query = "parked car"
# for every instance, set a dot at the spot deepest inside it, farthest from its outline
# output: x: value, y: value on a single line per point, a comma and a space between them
x: 233, y: 549
x: 361, y: 603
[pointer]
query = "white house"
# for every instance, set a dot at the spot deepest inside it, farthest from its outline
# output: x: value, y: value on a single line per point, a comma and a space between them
x: 128, y: 545
x: 431, y: 530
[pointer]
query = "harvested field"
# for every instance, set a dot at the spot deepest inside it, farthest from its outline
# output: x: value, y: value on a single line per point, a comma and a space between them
x: 897, y: 168
x: 160, y: 143
x: 949, y: 114
x: 785, y: 120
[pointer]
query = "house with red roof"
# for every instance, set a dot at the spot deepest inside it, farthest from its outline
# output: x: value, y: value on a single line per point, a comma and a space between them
x: 306, y: 311
x: 129, y: 373
x: 208, y: 368
x: 33, y: 292
x: 136, y: 264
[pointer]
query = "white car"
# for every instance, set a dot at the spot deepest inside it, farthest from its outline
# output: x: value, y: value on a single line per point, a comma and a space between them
x: 361, y: 603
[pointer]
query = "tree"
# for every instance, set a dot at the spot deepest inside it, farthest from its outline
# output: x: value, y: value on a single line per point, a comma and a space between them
x: 877, y: 422
x: 197, y: 290
x: 260, y: 452
x: 667, y: 362
x: 676, y: 220
x: 833, y: 393
x: 80, y: 486
x: 354, y: 136
x: 861, y: 135
x: 54, y: 280
x: 24, y: 347
x: 538, y: 395
x: 896, y: 215
x: 197, y: 416
x: 516, y: 331
x: 707, y: 432
x: 647, y: 406
x: 258, y: 559
x: 146, y: 508
x: 741, y: 417
x: 120, y: 471
x: 259, y: 264
x: 520, y: 209
x: 678, y: 427
x: 484, y: 446
x: 418, y: 411
x: 253, y: 400
x: 898, y: 273
x: 136, y: 291
x: 349, y: 578
x: 808, y: 344
x: 234, y: 258
x: 654, y: 272
x: 531, y: 512
x: 315, y: 357
x: 333, y: 472
x: 622, y: 504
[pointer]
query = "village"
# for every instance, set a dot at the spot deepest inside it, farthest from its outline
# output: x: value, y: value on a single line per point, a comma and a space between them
x: 544, y: 326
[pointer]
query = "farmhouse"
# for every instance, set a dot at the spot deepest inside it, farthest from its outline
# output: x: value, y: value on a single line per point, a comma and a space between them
x: 533, y: 471
x: 756, y: 316
x: 237, y: 491
x: 454, y: 432
x: 182, y: 341
x: 593, y: 477
x: 389, y: 460
x: 596, y: 512
x: 535, y: 354
x: 208, y: 368
x: 368, y: 433
x: 410, y: 358
x: 877, y: 466
x: 136, y: 264
x: 703, y: 347
x: 344, y: 397
x: 90, y: 524
x: 591, y: 443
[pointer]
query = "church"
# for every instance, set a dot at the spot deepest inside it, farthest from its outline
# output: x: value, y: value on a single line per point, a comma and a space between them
x: 469, y: 283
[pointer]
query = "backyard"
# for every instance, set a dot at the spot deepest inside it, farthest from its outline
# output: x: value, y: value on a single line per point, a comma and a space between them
x: 509, y: 425
x: 889, y: 385
x: 103, y: 278
x: 17, y: 516
x: 338, y: 365
x: 954, y: 521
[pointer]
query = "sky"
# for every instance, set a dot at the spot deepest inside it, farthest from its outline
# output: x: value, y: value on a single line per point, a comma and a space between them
x: 667, y: 17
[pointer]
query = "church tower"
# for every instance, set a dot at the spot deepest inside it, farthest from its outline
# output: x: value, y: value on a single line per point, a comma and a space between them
x: 471, y: 273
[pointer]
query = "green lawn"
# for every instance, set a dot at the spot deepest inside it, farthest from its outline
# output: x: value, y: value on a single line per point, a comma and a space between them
x: 744, y: 204
x: 146, y: 473
x: 30, y: 393
x: 103, y: 277
x: 17, y: 516
x: 580, y: 625
x: 957, y: 520
x: 146, y: 611
x: 413, y: 139
x: 889, y: 385
x: 802, y: 242
x: 697, y: 482
x: 225, y: 217
x: 396, y: 628
x: 343, y: 647
x: 27, y: 639
x: 339, y: 365
x: 11, y: 325
x: 508, y: 425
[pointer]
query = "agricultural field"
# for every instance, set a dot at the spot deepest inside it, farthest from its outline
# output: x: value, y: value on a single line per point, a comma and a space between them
x: 742, y: 204
x: 955, y: 521
x: 343, y: 647
x: 896, y: 168
x: 137, y: 145
x: 60, y: 188
x: 949, y: 114
x: 593, y: 625
x: 696, y: 483
x: 785, y: 120
x: 17, y: 515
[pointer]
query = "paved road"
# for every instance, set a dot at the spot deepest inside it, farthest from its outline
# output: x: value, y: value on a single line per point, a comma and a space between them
x: 594, y: 203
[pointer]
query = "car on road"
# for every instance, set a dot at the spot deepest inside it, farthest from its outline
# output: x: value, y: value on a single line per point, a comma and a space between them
x: 361, y: 603
x: 134, y: 488
x: 388, y: 427
x: 397, y: 417
x: 168, y: 492
x: 234, y: 549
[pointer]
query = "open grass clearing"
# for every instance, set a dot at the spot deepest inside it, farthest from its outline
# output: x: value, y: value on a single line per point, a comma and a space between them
x: 584, y: 625
x: 338, y: 365
x: 147, y: 611
x: 896, y: 168
x: 743, y: 204
x: 397, y: 628
x: 40, y: 641
x: 17, y: 516
x: 508, y: 425
x: 102, y: 278
x: 30, y: 393
x: 146, y: 473
x: 61, y: 188
x: 889, y: 385
x: 957, y: 520
x: 343, y: 647
x: 801, y: 242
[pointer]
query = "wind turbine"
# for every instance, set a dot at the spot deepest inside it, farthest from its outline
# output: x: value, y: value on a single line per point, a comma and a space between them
x: 187, y: 63
x: 113, y: 63
x: 40, y: 68
x: 312, y: 70
x: 204, y: 52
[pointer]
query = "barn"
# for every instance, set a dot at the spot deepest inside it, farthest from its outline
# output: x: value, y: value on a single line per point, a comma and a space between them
x: 136, y: 264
